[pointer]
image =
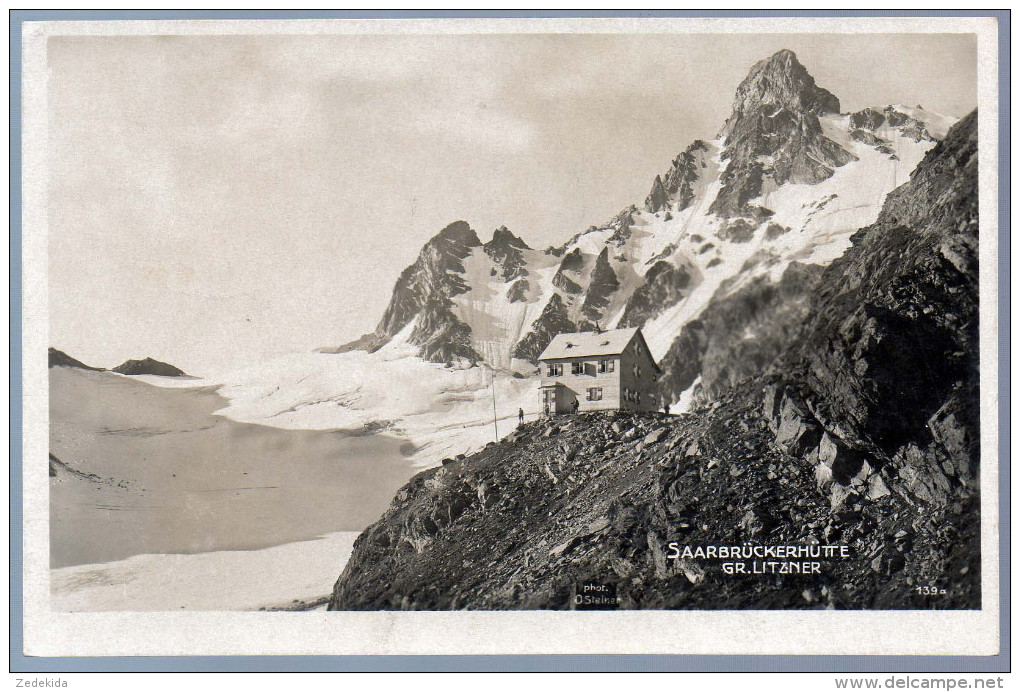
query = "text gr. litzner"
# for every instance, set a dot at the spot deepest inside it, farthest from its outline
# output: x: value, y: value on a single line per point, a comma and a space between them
x: 762, y: 559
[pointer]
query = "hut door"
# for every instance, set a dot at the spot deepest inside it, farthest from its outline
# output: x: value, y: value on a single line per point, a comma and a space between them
x: 549, y: 400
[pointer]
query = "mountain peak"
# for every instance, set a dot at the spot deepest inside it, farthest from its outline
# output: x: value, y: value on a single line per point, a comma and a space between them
x: 58, y: 358
x: 506, y: 250
x: 504, y: 237
x: 775, y: 133
x: 784, y: 54
x: 148, y: 366
x: 461, y: 233
x: 781, y: 81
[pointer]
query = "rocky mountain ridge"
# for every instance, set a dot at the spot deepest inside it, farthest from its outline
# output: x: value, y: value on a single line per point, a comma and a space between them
x: 59, y: 359
x: 423, y: 296
x: 774, y: 135
x: 787, y: 181
x: 145, y: 366
x: 860, y: 432
x: 717, y: 293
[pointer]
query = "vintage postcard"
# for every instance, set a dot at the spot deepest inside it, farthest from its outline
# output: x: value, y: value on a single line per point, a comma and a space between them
x: 511, y: 336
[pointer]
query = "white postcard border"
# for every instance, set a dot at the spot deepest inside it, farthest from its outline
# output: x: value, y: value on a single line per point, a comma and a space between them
x: 49, y: 633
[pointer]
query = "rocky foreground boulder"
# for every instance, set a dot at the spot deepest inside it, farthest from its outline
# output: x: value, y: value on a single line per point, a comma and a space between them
x: 600, y: 499
x: 856, y: 450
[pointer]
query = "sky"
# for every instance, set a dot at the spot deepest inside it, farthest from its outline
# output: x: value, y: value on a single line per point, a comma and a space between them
x: 219, y: 200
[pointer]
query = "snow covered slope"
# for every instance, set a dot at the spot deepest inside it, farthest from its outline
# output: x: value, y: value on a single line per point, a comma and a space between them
x: 441, y: 410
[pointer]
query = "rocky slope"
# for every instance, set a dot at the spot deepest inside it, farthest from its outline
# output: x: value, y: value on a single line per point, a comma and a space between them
x: 677, y: 189
x: 861, y: 434
x: 889, y: 353
x: 738, y: 334
x: 507, y: 253
x: 665, y: 284
x: 422, y: 297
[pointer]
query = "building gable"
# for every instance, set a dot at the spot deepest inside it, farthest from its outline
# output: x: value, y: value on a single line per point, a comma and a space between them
x: 592, y: 371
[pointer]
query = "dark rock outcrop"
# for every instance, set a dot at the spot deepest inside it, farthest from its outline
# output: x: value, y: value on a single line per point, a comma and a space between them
x: 868, y: 138
x: 664, y: 286
x: 601, y: 288
x: 59, y: 359
x: 424, y: 290
x: 566, y: 284
x: 867, y: 119
x: 675, y: 190
x: 554, y: 320
x: 871, y: 119
x: 144, y: 366
x: 573, y: 262
x: 148, y: 366
x: 917, y: 131
x: 506, y: 250
x: 370, y: 342
x: 621, y: 225
x: 737, y: 230
x: 657, y: 198
x: 774, y: 132
x: 519, y: 291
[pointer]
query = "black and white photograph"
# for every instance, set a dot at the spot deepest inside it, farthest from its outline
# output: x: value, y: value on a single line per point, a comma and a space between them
x: 512, y: 323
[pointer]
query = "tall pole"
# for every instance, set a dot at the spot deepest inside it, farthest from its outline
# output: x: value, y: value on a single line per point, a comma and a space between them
x: 492, y: 383
x: 495, y: 426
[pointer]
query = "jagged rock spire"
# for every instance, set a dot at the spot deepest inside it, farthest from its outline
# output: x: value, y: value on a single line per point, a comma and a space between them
x: 506, y: 250
x: 676, y: 189
x: 774, y: 133
x: 657, y: 197
x: 603, y: 285
x: 504, y: 237
x: 779, y: 82
x: 424, y: 289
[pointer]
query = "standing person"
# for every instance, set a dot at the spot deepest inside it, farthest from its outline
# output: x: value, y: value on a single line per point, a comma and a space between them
x: 577, y: 405
x: 520, y: 416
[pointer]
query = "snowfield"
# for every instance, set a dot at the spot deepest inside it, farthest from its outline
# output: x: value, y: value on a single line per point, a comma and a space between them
x: 441, y: 411
x: 496, y: 323
x: 272, y: 578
